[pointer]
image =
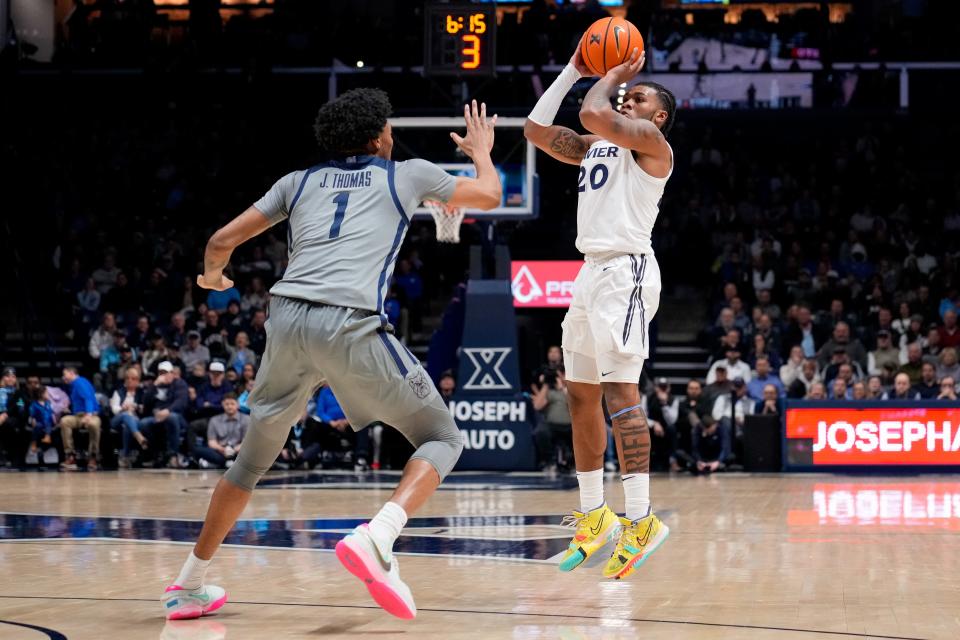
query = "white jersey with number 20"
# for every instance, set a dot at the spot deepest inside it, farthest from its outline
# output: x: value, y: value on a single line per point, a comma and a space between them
x: 618, y: 203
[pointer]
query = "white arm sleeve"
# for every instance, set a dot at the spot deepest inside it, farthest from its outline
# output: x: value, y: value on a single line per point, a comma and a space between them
x: 549, y: 103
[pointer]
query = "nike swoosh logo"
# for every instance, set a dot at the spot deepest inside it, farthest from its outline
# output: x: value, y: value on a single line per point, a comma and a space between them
x: 203, y: 597
x: 603, y: 375
x: 616, y: 37
x: 599, y: 525
x: 646, y: 535
x: 383, y: 564
x: 606, y: 268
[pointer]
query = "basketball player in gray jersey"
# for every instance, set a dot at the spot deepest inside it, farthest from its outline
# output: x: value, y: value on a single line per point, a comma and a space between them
x: 347, y: 217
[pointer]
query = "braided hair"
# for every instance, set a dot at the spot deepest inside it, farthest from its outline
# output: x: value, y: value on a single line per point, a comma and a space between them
x: 669, y: 103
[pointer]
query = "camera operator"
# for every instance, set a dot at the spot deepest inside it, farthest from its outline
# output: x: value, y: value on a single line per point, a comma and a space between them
x: 550, y: 399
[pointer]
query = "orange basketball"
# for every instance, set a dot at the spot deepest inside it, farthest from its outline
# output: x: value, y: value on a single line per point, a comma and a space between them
x: 608, y: 42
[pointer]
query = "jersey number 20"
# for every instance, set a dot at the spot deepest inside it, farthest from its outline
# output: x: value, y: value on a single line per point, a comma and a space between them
x: 598, y: 176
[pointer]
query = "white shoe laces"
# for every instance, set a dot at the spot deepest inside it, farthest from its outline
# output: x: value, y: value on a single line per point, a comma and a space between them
x: 573, y: 521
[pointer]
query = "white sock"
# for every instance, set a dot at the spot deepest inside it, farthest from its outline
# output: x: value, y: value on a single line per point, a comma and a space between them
x: 636, y: 489
x: 591, y: 489
x: 191, y: 576
x: 386, y: 526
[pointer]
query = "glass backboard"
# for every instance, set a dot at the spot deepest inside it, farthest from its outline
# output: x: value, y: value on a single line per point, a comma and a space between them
x: 514, y: 157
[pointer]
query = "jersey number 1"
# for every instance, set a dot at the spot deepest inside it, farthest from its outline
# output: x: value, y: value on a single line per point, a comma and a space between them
x: 598, y: 176
x: 341, y: 200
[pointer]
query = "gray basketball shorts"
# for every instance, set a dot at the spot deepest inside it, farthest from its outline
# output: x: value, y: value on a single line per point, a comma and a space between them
x: 373, y: 376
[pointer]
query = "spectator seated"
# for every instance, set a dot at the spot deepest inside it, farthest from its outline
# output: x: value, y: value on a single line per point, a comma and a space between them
x: 126, y: 405
x: 166, y: 403
x: 85, y: 415
x: 225, y: 435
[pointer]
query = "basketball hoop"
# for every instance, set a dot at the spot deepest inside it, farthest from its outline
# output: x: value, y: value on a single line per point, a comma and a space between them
x: 447, y: 219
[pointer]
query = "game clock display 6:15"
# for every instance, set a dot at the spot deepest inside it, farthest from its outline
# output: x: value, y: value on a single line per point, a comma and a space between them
x: 460, y: 40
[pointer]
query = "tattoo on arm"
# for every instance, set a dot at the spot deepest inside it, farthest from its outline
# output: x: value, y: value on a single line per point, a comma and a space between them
x: 568, y: 144
x: 633, y: 442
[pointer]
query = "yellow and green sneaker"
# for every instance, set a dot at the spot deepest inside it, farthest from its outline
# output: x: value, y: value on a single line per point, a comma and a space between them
x: 638, y: 540
x: 594, y: 529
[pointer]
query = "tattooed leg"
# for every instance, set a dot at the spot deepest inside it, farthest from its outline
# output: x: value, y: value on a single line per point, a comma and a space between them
x: 630, y: 429
x: 632, y: 435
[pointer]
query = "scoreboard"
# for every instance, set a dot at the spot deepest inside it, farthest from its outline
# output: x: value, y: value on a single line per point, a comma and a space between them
x: 460, y: 40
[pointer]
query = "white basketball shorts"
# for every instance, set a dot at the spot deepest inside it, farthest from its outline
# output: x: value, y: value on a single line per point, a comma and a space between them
x: 606, y: 331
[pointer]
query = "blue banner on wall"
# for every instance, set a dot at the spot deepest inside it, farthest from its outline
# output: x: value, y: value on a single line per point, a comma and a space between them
x: 489, y: 364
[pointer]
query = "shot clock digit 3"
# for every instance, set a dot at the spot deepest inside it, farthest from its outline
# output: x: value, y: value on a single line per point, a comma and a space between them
x: 460, y: 40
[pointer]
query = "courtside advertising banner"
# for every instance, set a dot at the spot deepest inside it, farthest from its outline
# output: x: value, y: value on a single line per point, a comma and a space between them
x: 544, y: 283
x: 871, y: 434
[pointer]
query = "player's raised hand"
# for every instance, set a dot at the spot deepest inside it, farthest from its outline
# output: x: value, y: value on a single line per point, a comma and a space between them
x: 628, y: 70
x: 213, y: 282
x: 479, y: 136
x: 577, y: 61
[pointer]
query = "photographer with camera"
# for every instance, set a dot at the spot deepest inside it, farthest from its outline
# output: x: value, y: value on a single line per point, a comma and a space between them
x: 550, y: 399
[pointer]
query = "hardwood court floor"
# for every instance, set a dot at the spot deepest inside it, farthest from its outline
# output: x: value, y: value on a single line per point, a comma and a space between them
x: 85, y: 556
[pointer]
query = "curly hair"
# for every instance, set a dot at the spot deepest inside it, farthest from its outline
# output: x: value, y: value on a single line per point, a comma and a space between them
x: 347, y: 123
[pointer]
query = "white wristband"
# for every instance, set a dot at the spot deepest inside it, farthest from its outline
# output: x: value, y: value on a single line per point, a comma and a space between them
x: 549, y: 103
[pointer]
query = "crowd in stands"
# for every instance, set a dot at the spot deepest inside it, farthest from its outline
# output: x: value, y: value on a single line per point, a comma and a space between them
x: 169, y: 373
x: 163, y: 417
x: 827, y: 290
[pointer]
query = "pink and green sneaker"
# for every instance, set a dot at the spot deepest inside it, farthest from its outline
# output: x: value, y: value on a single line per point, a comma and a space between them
x: 183, y: 604
x: 359, y: 554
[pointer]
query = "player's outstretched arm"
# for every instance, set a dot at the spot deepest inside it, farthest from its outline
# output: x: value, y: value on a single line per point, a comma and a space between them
x: 566, y: 145
x: 485, y: 191
x: 599, y: 117
x: 220, y: 247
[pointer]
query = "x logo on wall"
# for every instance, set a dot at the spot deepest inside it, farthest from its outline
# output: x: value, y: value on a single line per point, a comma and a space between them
x: 486, y: 374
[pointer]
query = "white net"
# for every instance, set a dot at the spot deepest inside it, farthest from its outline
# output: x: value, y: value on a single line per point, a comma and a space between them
x: 447, y: 219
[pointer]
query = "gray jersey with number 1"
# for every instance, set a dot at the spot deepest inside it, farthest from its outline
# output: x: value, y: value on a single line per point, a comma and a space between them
x: 347, y: 220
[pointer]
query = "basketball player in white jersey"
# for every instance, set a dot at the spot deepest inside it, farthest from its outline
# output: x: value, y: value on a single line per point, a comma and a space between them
x: 624, y: 167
